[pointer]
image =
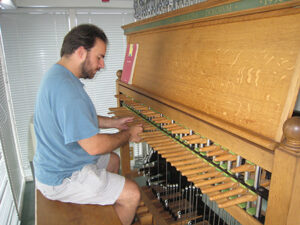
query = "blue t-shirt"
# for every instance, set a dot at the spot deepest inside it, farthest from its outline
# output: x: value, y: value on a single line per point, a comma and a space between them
x: 64, y: 114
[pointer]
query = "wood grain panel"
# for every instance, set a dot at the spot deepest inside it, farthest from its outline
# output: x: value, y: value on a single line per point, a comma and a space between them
x: 254, y: 153
x: 239, y: 72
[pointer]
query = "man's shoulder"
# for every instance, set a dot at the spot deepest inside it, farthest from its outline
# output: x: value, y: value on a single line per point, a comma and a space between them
x: 57, y: 74
x: 58, y: 78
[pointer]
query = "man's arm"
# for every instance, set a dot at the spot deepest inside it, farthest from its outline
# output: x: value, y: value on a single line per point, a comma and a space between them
x: 120, y: 123
x: 105, y: 143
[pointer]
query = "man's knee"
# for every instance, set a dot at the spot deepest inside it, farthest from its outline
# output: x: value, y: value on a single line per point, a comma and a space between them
x: 134, y: 190
x: 137, y: 193
x: 131, y: 193
x: 114, y: 163
x: 116, y: 158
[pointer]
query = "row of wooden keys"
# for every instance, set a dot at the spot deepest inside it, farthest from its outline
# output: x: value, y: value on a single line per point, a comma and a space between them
x: 220, y: 187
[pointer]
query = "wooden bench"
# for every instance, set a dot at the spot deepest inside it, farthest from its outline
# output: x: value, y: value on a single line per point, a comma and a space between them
x: 49, y: 212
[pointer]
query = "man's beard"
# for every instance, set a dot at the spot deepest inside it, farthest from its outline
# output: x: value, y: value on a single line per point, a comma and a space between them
x: 86, y: 72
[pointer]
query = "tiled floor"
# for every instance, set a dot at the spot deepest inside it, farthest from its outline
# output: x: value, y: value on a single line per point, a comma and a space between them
x: 28, y: 205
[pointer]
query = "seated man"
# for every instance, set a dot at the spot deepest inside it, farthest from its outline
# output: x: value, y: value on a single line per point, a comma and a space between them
x: 73, y: 162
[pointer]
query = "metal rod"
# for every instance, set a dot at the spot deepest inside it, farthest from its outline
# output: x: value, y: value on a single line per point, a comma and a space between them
x: 166, y: 174
x: 204, y: 213
x: 158, y: 164
x: 257, y: 177
x: 258, y: 206
x: 186, y: 195
x: 248, y: 205
x: 181, y: 207
x: 229, y: 165
x: 196, y: 205
x: 246, y: 176
x: 209, y: 212
x: 189, y: 202
x: 219, y: 213
x: 179, y: 190
x: 193, y: 201
x: 238, y: 163
x: 214, y: 217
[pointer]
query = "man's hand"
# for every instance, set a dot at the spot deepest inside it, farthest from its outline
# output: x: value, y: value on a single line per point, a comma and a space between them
x: 121, y: 123
x: 134, y: 133
x: 105, y: 143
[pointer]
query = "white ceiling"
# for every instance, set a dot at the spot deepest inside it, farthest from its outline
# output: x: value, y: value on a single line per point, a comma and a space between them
x: 73, y: 3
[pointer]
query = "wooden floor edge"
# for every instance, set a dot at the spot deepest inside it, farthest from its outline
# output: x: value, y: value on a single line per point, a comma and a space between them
x: 152, y: 209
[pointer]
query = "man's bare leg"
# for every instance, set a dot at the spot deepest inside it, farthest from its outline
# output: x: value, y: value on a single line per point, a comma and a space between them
x: 114, y: 163
x: 128, y: 202
x: 129, y: 198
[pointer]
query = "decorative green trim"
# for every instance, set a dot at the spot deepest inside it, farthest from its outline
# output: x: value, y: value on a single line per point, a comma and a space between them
x: 242, y: 205
x: 234, y: 180
x: 214, y: 11
x: 251, y: 163
x: 233, y: 197
x: 250, y: 182
x: 224, y: 166
x: 251, y: 211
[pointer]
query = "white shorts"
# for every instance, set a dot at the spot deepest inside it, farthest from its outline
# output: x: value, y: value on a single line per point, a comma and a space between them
x: 91, y: 185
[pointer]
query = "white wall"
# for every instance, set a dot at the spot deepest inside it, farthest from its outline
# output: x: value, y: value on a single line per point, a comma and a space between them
x: 122, y: 4
x: 32, y: 39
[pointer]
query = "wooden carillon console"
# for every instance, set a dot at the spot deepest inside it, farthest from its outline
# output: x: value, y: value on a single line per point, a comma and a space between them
x: 214, y: 86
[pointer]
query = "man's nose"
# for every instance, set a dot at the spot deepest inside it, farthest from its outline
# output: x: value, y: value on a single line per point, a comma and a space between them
x: 101, y: 64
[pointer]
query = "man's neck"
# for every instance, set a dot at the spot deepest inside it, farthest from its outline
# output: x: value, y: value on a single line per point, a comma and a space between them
x: 70, y: 65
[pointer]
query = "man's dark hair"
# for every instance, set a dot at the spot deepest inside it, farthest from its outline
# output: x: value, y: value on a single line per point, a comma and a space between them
x: 83, y: 35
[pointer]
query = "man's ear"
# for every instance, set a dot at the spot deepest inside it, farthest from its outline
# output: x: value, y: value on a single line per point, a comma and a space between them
x: 81, y: 52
